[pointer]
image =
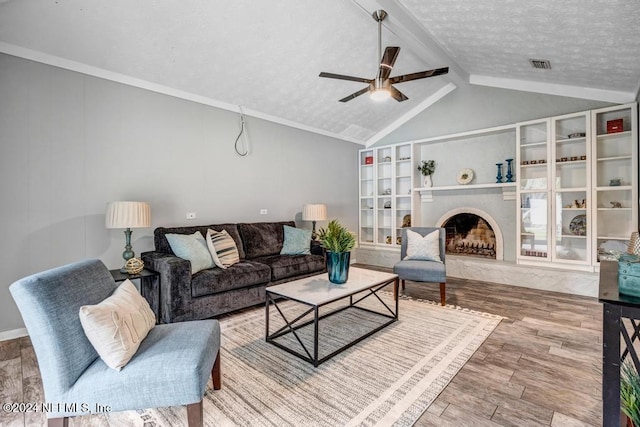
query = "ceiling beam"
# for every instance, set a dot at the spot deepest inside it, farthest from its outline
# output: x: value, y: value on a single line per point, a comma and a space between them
x: 432, y: 99
x: 614, y: 96
x: 415, y: 37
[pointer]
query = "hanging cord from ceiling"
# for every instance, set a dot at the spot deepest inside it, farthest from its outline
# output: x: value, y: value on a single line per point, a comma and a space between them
x: 242, y: 134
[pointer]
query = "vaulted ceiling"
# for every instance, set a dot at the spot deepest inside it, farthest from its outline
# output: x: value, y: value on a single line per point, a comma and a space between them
x: 264, y: 57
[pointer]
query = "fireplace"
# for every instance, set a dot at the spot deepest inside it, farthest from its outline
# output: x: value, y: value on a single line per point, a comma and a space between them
x: 471, y: 232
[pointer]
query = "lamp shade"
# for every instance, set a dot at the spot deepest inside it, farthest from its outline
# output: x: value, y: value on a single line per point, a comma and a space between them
x: 127, y: 215
x: 314, y: 212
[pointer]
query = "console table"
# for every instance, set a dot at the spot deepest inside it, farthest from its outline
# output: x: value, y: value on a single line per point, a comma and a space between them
x: 617, y: 308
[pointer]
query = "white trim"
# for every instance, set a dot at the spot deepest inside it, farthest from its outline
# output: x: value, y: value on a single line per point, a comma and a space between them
x: 615, y: 96
x: 467, y: 134
x: 13, y: 334
x: 482, y: 214
x: 432, y: 99
x: 89, y: 70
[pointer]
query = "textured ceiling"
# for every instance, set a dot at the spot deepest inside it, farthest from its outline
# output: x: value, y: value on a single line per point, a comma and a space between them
x: 266, y: 56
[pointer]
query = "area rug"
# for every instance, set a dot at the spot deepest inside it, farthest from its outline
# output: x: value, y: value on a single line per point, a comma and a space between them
x: 390, y: 378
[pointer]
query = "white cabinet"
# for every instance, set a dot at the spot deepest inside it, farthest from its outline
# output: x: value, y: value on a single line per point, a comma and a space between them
x: 577, y: 186
x: 615, y: 176
x: 386, y: 177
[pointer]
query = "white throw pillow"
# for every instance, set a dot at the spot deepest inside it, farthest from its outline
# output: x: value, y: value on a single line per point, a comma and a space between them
x: 425, y: 248
x: 116, y: 326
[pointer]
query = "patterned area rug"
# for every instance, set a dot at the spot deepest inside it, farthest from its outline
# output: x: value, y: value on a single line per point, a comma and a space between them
x: 390, y: 378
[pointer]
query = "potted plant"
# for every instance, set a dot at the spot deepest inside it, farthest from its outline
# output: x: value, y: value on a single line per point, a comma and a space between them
x: 427, y: 168
x: 338, y: 242
x: 630, y: 393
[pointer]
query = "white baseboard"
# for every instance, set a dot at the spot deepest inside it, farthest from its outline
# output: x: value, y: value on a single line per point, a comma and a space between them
x: 13, y: 334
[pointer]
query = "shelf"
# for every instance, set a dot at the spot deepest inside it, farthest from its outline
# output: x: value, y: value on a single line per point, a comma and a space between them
x: 613, y: 135
x: 572, y: 236
x: 535, y: 165
x: 570, y: 162
x: 605, y: 159
x: 614, y: 188
x: 613, y: 238
x: 574, y: 209
x: 569, y: 140
x: 403, y: 176
x: 532, y: 144
x: 570, y: 190
x: 614, y: 209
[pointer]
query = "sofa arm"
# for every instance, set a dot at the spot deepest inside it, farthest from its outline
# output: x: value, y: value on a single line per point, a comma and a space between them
x: 316, y: 248
x: 175, y: 283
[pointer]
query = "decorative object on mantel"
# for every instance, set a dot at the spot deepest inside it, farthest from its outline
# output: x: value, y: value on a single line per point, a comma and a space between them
x: 406, y: 221
x: 616, y: 205
x: 313, y: 213
x: 499, y: 175
x: 427, y: 168
x: 614, y: 126
x: 338, y: 242
x: 465, y: 176
x: 509, y: 174
x: 134, y: 265
x: 615, y: 182
x: 128, y: 215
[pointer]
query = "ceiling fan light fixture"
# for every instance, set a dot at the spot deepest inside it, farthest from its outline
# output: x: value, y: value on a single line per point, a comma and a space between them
x: 380, y: 94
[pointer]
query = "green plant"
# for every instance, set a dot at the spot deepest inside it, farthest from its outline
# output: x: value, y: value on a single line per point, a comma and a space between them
x: 336, y: 238
x: 427, y: 167
x: 630, y: 392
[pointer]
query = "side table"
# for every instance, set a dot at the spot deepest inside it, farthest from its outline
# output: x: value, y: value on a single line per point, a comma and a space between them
x: 149, y: 287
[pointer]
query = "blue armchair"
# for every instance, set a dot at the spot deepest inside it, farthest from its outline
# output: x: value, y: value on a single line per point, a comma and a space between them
x: 420, y: 270
x: 170, y: 368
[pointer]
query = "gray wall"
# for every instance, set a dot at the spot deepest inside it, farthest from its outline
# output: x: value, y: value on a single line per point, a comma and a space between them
x: 69, y: 143
x: 478, y: 107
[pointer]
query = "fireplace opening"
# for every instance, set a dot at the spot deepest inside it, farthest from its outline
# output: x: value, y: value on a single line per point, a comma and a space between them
x: 469, y: 234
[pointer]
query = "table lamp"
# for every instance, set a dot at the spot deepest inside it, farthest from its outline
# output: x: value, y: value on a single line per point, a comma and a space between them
x: 313, y: 213
x: 127, y: 215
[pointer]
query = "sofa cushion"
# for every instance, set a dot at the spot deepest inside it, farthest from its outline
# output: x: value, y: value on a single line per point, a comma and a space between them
x: 285, y: 266
x: 240, y: 275
x: 297, y: 241
x: 191, y: 247
x: 222, y: 247
x: 162, y: 245
x: 263, y: 238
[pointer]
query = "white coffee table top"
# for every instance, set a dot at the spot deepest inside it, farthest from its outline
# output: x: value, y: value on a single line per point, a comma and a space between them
x: 318, y: 290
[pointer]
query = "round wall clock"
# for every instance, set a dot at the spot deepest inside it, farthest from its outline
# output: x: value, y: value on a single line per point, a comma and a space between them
x: 465, y: 176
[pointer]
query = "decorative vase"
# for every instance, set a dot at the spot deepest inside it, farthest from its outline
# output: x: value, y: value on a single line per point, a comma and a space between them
x: 427, y: 181
x: 509, y: 175
x: 338, y: 266
x: 499, y: 176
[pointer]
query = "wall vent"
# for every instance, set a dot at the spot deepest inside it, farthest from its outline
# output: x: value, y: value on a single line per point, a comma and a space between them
x: 542, y: 64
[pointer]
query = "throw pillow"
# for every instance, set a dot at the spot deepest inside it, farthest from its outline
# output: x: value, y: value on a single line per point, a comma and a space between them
x: 425, y: 248
x: 222, y: 248
x: 116, y: 326
x: 296, y: 241
x: 191, y: 247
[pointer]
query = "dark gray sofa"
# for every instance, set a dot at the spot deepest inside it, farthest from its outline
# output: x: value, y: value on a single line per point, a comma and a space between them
x: 216, y: 291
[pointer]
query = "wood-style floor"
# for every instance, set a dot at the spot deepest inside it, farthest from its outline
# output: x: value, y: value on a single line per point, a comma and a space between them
x: 541, y: 366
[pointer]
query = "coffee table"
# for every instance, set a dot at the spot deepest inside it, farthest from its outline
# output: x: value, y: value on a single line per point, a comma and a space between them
x: 316, y: 292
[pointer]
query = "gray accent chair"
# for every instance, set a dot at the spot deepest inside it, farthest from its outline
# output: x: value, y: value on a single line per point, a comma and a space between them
x: 423, y: 271
x: 171, y: 367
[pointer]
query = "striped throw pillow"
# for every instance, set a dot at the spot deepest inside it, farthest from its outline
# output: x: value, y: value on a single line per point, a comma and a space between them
x: 222, y: 247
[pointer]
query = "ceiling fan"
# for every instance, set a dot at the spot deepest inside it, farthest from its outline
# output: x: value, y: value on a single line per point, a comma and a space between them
x: 381, y: 87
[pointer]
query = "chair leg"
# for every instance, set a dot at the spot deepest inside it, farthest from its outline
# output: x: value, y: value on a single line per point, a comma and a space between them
x: 442, y: 293
x: 194, y: 414
x: 216, y: 374
x: 58, y: 422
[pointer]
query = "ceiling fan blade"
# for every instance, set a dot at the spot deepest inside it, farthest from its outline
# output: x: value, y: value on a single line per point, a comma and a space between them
x: 419, y: 75
x: 388, y: 60
x: 397, y: 95
x: 355, y: 94
x: 343, y: 77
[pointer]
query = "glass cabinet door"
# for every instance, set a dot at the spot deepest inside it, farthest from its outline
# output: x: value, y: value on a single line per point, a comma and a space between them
x: 534, y: 237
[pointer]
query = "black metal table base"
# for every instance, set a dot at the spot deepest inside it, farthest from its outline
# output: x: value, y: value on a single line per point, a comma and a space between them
x: 311, y: 355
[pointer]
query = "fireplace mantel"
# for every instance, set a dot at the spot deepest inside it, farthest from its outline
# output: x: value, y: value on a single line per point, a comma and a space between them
x: 508, y: 190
